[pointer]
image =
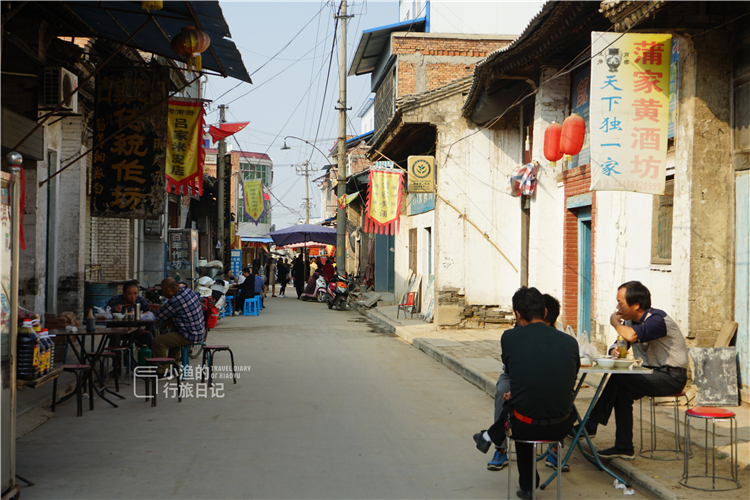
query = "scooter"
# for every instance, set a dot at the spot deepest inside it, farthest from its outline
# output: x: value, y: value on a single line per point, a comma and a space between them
x: 213, y: 297
x: 319, y: 293
x: 337, y: 294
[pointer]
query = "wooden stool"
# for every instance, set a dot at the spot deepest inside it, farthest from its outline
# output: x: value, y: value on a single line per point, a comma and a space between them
x: 208, y: 360
x: 155, y: 362
x: 79, y: 371
x: 674, y: 402
x: 713, y: 414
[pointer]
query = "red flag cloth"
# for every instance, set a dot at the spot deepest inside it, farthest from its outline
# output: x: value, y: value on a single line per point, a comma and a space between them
x: 224, y: 130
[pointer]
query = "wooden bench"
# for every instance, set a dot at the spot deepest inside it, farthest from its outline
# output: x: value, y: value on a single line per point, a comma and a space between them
x: 52, y: 375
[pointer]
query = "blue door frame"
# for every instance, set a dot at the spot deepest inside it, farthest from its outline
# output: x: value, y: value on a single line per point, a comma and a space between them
x: 584, y: 270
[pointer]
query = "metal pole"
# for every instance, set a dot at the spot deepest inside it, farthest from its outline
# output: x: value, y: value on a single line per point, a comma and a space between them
x: 220, y: 181
x: 14, y: 161
x: 341, y: 187
x: 307, y: 191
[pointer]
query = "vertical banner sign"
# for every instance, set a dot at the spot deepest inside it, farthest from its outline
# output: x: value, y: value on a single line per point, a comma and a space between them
x: 580, y: 105
x: 674, y: 84
x: 185, y: 147
x: 629, y: 111
x: 127, y: 172
x: 254, y: 206
x: 236, y: 262
x: 383, y: 202
x: 226, y: 247
x: 421, y: 174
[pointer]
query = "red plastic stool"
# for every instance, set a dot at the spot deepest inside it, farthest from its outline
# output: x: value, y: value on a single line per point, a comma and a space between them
x: 713, y: 414
x: 674, y: 402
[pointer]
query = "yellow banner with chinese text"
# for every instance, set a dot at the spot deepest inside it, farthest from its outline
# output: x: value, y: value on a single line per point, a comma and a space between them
x: 384, y: 201
x: 185, y: 146
x: 629, y: 114
x: 254, y: 204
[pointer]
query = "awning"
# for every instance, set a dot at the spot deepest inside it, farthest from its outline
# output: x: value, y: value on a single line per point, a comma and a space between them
x: 374, y: 40
x: 255, y: 239
x: 118, y: 20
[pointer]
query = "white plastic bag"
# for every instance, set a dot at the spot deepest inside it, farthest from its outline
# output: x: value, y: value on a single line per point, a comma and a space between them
x: 148, y: 316
x: 584, y: 347
x: 101, y: 313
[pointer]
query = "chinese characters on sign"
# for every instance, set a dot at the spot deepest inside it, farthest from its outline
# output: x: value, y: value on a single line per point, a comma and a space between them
x: 421, y: 174
x: 384, y: 202
x: 179, y: 250
x: 629, y: 111
x: 254, y: 206
x: 127, y: 178
x: 184, y: 147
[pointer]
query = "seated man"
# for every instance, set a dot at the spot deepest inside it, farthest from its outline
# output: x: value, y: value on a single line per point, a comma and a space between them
x: 127, y: 300
x: 658, y: 341
x: 246, y: 290
x: 185, y: 310
x: 260, y: 286
x: 542, y: 365
x: 328, y: 270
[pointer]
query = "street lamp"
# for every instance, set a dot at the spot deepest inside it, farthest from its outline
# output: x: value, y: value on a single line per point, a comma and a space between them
x: 286, y: 148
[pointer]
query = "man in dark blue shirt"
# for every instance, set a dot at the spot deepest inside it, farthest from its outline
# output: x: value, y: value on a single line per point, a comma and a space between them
x: 657, y: 341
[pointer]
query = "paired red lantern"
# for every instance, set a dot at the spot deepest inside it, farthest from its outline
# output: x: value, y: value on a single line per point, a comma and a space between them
x: 573, y: 135
x: 552, y: 143
x: 191, y: 42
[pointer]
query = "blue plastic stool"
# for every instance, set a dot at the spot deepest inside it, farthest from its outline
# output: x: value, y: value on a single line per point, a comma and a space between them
x: 229, y: 300
x: 185, y: 356
x: 252, y: 307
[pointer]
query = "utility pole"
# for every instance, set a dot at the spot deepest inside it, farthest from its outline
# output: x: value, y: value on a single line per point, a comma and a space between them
x: 341, y: 187
x: 220, y: 181
x: 306, y: 173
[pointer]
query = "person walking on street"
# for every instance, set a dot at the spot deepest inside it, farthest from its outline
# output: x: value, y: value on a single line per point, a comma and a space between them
x: 271, y: 276
x: 299, y: 275
x: 283, y: 273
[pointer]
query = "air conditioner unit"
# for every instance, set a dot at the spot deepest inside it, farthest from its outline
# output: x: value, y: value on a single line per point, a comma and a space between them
x: 58, y: 84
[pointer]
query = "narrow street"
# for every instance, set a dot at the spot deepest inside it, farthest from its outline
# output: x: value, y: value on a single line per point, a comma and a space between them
x: 330, y: 408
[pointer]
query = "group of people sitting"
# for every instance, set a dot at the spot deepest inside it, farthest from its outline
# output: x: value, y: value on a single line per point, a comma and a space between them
x: 250, y: 284
x: 535, y: 394
x: 182, y: 312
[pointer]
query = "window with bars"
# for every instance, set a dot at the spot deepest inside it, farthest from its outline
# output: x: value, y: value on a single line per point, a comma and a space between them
x: 661, y: 227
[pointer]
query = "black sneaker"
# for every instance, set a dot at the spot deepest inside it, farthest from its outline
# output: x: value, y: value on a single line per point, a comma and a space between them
x: 482, y: 444
x: 526, y: 495
x: 616, y: 453
x: 572, y: 432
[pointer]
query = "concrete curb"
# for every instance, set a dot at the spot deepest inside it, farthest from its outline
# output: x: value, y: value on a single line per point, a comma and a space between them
x: 635, y: 476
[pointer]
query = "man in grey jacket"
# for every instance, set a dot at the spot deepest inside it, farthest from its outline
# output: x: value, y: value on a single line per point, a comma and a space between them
x: 657, y: 341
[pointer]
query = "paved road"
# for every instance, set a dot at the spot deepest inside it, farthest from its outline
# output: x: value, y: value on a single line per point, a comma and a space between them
x: 330, y: 408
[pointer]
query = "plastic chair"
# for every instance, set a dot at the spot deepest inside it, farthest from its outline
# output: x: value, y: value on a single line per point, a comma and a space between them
x: 674, y: 402
x: 409, y: 304
x: 228, y: 301
x: 185, y: 356
x: 713, y: 414
x: 252, y: 307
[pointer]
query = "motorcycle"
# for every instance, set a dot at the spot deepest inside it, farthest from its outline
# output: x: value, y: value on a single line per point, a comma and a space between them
x: 319, y: 293
x: 337, y: 294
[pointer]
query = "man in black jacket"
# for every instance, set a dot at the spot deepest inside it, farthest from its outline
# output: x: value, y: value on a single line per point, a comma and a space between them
x: 543, y: 366
x: 246, y: 290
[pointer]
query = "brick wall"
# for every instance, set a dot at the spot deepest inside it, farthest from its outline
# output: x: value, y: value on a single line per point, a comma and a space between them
x: 111, y: 247
x: 441, y: 60
x: 577, y: 181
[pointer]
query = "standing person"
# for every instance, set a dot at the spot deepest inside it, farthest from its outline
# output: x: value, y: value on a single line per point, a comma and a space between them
x: 283, y: 276
x: 314, y: 264
x: 543, y: 366
x: 299, y: 275
x: 185, y: 310
x: 267, y: 276
x: 658, y: 342
x: 246, y: 290
x: 328, y: 270
x: 271, y: 274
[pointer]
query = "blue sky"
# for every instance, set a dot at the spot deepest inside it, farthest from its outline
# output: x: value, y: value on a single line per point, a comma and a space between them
x: 286, y: 97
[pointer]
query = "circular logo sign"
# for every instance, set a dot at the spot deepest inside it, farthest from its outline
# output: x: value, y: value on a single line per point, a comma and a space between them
x: 421, y: 169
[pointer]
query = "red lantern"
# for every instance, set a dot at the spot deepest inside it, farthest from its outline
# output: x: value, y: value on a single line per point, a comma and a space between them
x: 552, y: 143
x: 573, y: 134
x: 190, y: 42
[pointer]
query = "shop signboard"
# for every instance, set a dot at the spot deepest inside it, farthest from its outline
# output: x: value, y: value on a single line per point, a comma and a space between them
x: 127, y: 176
